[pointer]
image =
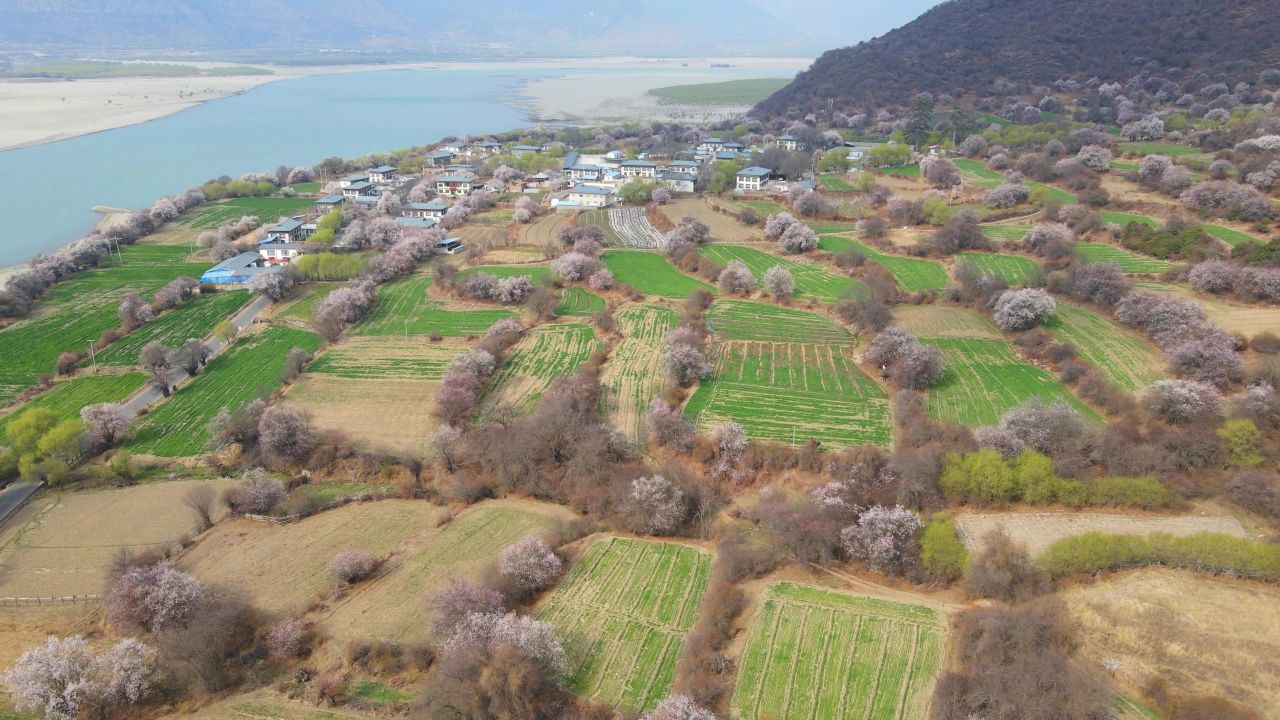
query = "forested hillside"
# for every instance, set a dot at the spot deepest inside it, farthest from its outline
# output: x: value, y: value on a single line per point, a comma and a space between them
x: 968, y: 48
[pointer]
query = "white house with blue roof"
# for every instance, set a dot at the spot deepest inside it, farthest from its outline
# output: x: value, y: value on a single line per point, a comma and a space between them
x: 639, y: 168
x: 358, y: 189
x: 591, y: 196
x: 433, y: 208
x: 752, y: 178
x: 329, y: 202
x: 382, y: 174
x: 789, y: 142
x: 348, y: 180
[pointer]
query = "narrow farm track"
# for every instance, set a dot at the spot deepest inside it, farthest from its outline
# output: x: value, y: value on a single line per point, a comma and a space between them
x: 634, y: 230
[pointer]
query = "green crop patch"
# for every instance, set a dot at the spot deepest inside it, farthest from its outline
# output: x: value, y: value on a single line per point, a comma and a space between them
x: 1229, y: 236
x: 305, y: 306
x: 1123, y: 356
x: 536, y: 273
x: 792, y: 392
x: 764, y: 208
x: 1129, y: 262
x: 1123, y: 218
x: 600, y: 219
x: 812, y: 280
x: 68, y: 397
x: 985, y: 379
x: 634, y: 375
x: 266, y: 209
x: 814, y: 654
x: 763, y: 322
x: 545, y: 354
x: 834, y: 243
x: 829, y: 226
x: 403, y: 308
x: 385, y: 357
x: 902, y: 170
x: 912, y: 274
x: 651, y: 274
x: 196, y: 318
x: 624, y: 611
x: 1013, y: 269
x: 179, y: 426
x: 75, y: 312
x: 579, y: 302
x: 1050, y: 193
x: 834, y: 182
x: 1158, y: 148
x: 1006, y: 233
x: 745, y: 92
x: 976, y: 173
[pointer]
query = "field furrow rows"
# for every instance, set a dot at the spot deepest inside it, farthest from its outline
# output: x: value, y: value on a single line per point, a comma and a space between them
x: 545, y: 354
x: 817, y: 655
x: 633, y: 228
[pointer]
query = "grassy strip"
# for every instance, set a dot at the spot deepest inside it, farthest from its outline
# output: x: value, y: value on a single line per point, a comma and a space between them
x: 195, y: 318
x: 266, y: 209
x: 1013, y: 269
x: 812, y: 280
x: 1202, y: 552
x: 912, y: 274
x: 67, y: 397
x: 651, y: 274
x: 1129, y: 262
x: 1123, y: 356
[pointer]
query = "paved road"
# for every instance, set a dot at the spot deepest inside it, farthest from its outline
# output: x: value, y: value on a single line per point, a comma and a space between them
x: 148, y: 395
x: 12, y: 497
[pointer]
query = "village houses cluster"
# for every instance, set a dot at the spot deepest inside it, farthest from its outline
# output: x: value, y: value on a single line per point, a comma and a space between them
x: 581, y: 182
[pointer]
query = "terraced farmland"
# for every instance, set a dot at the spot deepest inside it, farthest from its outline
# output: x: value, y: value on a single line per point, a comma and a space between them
x: 67, y: 397
x: 977, y: 173
x: 373, y: 358
x: 545, y: 354
x: 791, y: 392
x: 600, y: 219
x: 834, y: 182
x: 723, y: 227
x: 1229, y: 236
x: 579, y: 302
x: 1013, y: 269
x: 534, y: 272
x: 912, y: 274
x: 1123, y: 356
x: 633, y: 229
x: 834, y: 243
x: 1053, y: 194
x: 624, y: 610
x: 404, y: 308
x: 985, y: 378
x: 633, y: 377
x: 812, y: 280
x: 820, y: 655
x: 938, y: 321
x: 396, y: 604
x: 764, y: 322
x: 1124, y: 218
x: 1129, y: 262
x: 196, y: 318
x: 266, y: 209
x: 75, y: 312
x: 544, y: 229
x: 1006, y: 233
x: 764, y: 208
x: 179, y: 426
x: 651, y: 274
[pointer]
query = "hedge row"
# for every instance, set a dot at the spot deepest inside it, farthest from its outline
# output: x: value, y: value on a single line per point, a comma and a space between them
x: 985, y: 478
x: 1202, y: 552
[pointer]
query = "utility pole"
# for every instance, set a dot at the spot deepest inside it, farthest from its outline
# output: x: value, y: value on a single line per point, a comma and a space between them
x: 93, y: 357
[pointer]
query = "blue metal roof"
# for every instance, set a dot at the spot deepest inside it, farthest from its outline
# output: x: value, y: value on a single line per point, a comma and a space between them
x: 285, y: 226
x: 754, y: 171
x: 591, y: 190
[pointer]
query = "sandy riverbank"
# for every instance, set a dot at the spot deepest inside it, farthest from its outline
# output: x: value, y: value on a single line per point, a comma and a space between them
x: 584, y: 98
x: 33, y: 112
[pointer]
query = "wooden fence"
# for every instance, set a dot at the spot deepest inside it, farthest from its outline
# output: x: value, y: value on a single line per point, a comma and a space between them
x: 40, y: 601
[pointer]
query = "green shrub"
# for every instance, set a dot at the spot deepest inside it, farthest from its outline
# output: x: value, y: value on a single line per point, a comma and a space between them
x: 980, y: 477
x: 329, y: 266
x: 1140, y: 492
x: 1241, y: 437
x: 941, y: 552
x: 1203, y: 552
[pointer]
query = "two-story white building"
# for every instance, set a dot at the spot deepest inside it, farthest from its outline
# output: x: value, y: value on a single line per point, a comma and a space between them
x: 752, y: 178
x: 433, y: 208
x: 584, y: 171
x: 711, y: 145
x: 348, y: 180
x: 362, y: 188
x: 456, y: 185
x: 382, y: 174
x: 639, y: 168
x: 591, y: 196
x: 788, y: 142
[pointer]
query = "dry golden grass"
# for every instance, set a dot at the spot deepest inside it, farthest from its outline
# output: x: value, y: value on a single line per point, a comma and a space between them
x: 1039, y: 530
x: 393, y: 604
x: 724, y: 228
x: 281, y: 568
x: 62, y: 543
x: 943, y: 321
x: 1202, y: 634
x: 22, y: 628
x: 482, y: 236
x: 386, y: 412
x: 1248, y: 320
x: 266, y: 704
x: 516, y: 255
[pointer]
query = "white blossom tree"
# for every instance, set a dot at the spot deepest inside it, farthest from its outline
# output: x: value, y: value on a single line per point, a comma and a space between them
x: 531, y: 562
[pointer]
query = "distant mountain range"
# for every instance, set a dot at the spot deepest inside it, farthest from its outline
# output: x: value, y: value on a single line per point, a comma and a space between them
x: 964, y: 47
x: 486, y: 27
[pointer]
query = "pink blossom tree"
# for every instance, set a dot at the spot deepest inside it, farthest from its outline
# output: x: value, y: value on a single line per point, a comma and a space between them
x: 658, y: 505
x: 736, y: 279
x: 797, y: 239
x: 531, y: 563
x: 667, y: 425
x: 1181, y: 401
x: 352, y: 565
x: 601, y: 279
x: 460, y: 599
x: 64, y: 679
x: 489, y: 631
x: 104, y: 423
x: 1023, y: 309
x: 154, y: 596
x: 778, y: 223
x: 679, y: 707
x: 780, y: 282
x: 886, y: 538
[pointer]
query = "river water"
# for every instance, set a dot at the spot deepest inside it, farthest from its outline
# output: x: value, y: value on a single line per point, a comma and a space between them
x: 47, y: 191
